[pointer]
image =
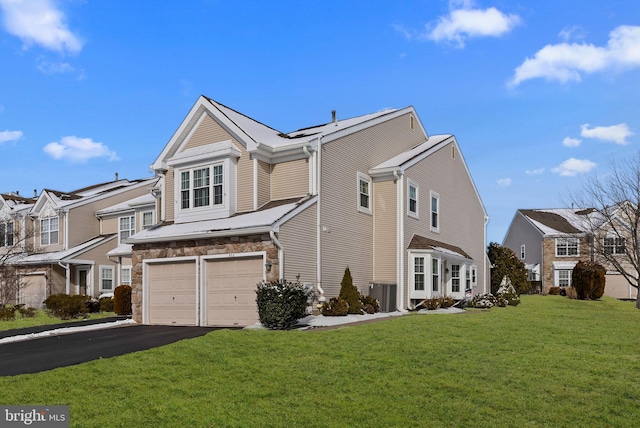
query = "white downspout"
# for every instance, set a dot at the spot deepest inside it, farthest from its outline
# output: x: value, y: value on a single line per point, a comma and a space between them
x: 66, y: 275
x: 278, y: 245
x: 400, y: 238
x: 255, y: 184
x: 486, y: 221
x: 318, y: 178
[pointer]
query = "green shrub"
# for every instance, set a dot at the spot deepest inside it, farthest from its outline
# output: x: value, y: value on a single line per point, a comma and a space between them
x: 27, y: 312
x: 106, y: 304
x: 65, y: 306
x: 93, y: 306
x: 487, y: 301
x: 281, y: 303
x: 508, y: 292
x: 335, y: 307
x: 7, y: 313
x: 369, y: 304
x: 447, y: 302
x: 122, y: 300
x: 588, y: 279
x: 350, y: 293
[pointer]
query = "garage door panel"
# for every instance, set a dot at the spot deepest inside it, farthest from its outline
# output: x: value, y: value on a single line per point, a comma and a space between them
x: 231, y: 285
x: 172, y: 293
x: 33, y: 290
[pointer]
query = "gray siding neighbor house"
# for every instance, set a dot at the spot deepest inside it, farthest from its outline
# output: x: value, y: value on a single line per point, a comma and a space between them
x: 240, y: 202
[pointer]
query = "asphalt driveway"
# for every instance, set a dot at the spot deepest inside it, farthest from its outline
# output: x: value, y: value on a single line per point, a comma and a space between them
x: 37, y: 355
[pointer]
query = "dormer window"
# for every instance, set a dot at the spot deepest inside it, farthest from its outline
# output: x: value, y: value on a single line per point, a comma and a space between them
x: 204, y: 181
x: 6, y: 234
x: 49, y: 231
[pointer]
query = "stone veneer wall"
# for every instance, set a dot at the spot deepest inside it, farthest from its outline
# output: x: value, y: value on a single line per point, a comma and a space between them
x: 202, y: 247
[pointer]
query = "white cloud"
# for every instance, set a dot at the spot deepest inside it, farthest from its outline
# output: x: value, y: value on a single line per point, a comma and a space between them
x: 10, y: 136
x: 504, y: 182
x: 39, y: 22
x: 466, y: 22
x: 571, y: 142
x: 572, y: 167
x: 536, y: 171
x: 566, y: 62
x: 572, y: 33
x: 616, y: 133
x: 75, y: 149
x: 48, y: 67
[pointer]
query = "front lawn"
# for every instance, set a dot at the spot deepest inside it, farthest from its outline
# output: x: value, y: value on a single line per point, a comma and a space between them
x: 43, y: 319
x: 549, y: 362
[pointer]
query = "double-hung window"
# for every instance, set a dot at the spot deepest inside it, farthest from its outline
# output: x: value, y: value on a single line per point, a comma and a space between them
x: 435, y: 212
x: 49, y: 231
x: 455, y: 278
x: 418, y: 273
x: 6, y: 234
x: 567, y: 246
x: 435, y: 275
x: 564, y: 278
x: 614, y: 245
x: 125, y: 275
x: 202, y: 187
x: 412, y: 198
x: 127, y: 227
x: 147, y: 219
x: 106, y: 278
x: 364, y: 193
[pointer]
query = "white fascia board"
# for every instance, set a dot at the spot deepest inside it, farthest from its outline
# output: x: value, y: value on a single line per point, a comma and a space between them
x: 279, y: 154
x: 90, y: 199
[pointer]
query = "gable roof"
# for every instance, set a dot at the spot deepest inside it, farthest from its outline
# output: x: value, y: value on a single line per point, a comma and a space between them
x: 65, y: 256
x: 262, y: 141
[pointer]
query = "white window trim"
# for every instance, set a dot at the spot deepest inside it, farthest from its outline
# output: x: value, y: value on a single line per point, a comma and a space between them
x: 436, y: 196
x: 367, y: 179
x: 132, y: 226
x: 50, y: 231
x: 556, y: 278
x: 410, y: 213
x: 103, y: 268
x: 438, y: 292
x: 567, y: 246
x: 121, y: 280
x: 144, y: 225
x: 460, y: 278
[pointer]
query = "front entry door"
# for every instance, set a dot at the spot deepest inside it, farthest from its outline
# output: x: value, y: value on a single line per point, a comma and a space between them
x: 83, y: 276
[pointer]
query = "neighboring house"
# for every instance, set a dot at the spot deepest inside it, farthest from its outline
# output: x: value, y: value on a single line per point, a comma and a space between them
x: 241, y: 202
x: 62, y: 247
x: 551, y: 242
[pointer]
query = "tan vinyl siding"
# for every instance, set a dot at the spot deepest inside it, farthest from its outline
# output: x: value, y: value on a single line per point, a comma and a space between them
x: 461, y: 213
x: 290, y: 179
x: 244, y: 180
x: 348, y: 238
x: 169, y: 194
x: 84, y: 224
x: 264, y: 183
x: 111, y: 225
x: 298, y: 239
x: 385, y: 224
x: 208, y: 132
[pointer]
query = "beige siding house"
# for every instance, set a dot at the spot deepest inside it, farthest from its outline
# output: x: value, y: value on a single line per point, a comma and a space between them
x: 240, y: 202
x: 59, y: 246
x: 552, y: 241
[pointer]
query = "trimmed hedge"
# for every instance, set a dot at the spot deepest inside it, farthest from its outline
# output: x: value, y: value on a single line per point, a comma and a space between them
x: 281, y: 303
x: 65, y: 306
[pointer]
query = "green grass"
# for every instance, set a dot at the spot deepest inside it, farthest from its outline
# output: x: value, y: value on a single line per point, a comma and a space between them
x: 550, y: 362
x: 43, y: 319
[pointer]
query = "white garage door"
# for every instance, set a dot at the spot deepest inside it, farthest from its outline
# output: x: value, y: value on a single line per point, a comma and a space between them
x: 33, y: 290
x: 231, y: 290
x: 172, y: 293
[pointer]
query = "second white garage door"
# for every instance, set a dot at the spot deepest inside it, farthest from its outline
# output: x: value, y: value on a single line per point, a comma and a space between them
x: 231, y: 290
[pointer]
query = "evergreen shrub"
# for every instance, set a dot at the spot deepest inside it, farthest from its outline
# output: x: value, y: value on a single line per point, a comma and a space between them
x: 106, y: 304
x: 370, y: 304
x: 65, y: 306
x: 335, y: 307
x: 122, y: 300
x: 281, y: 303
x: 350, y: 293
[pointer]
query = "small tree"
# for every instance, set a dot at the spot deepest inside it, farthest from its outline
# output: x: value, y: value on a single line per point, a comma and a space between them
x: 350, y: 293
x: 504, y: 262
x: 588, y: 279
x: 15, y: 245
x: 122, y: 300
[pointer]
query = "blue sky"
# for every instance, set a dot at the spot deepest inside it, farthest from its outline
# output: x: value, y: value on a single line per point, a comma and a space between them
x: 539, y: 94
